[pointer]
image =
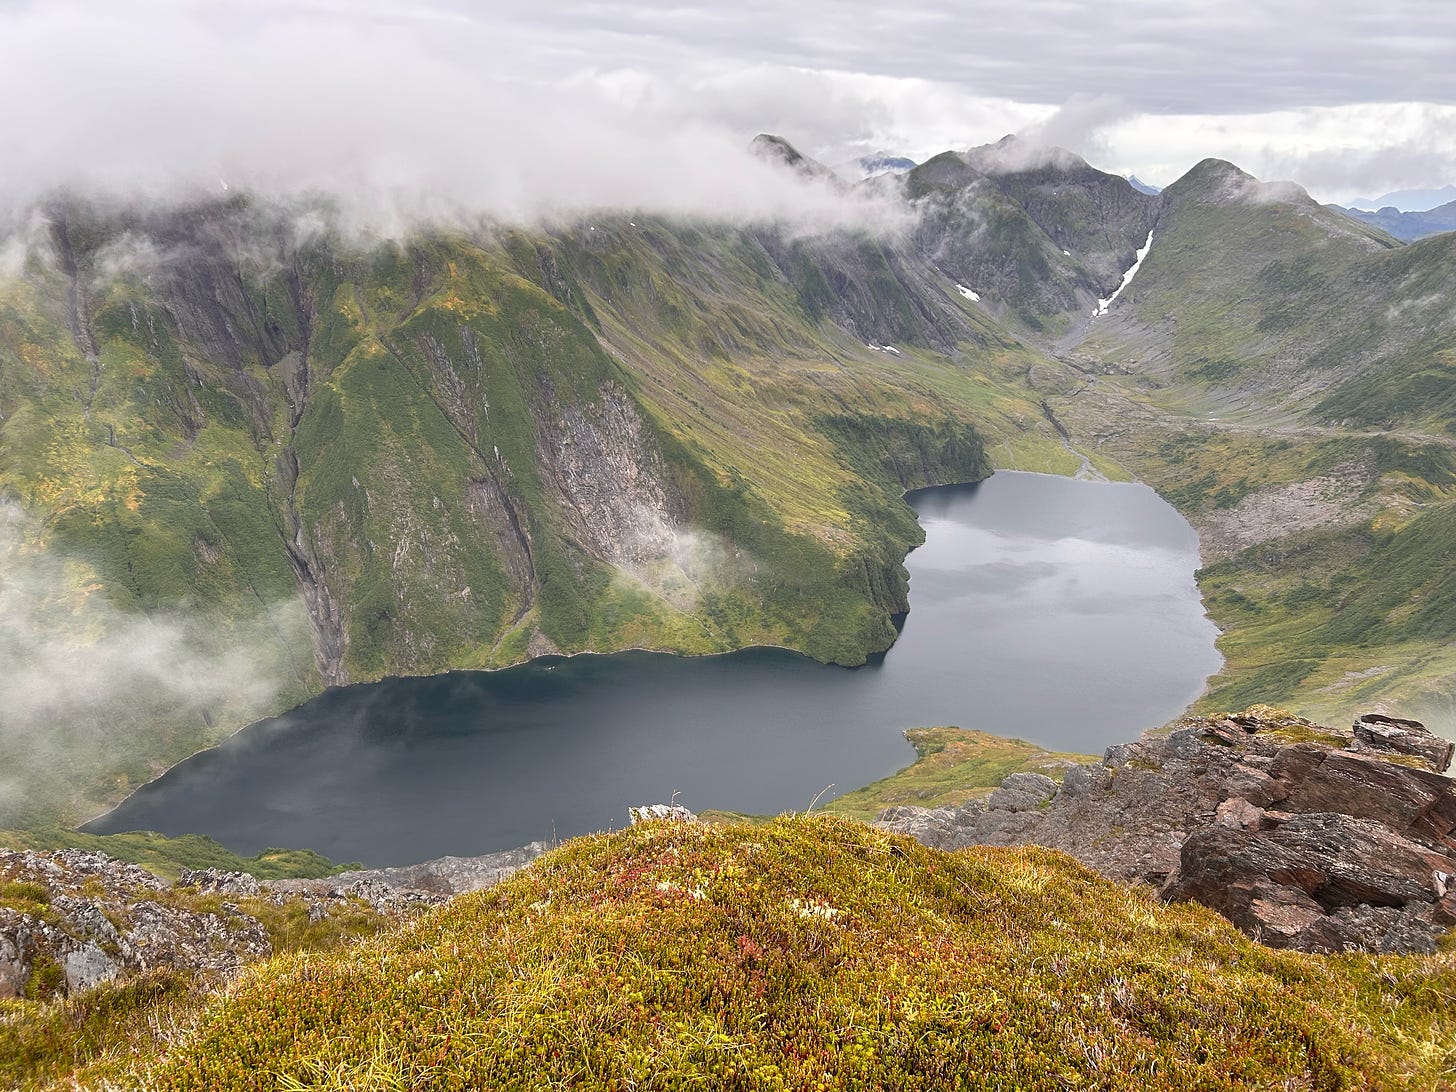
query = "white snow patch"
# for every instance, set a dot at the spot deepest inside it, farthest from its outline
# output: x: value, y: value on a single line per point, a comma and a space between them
x: 882, y: 348
x: 1103, y: 305
x: 1068, y: 253
x: 964, y: 291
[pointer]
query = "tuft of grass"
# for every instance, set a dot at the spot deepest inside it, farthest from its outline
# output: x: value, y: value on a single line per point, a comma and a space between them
x: 43, y: 1044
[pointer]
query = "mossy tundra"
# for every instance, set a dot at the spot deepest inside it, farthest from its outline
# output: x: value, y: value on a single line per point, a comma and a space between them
x: 811, y: 953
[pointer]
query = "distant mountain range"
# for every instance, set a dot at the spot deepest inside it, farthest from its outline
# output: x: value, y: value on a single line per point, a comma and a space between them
x: 1407, y: 200
x: 1142, y: 187
x: 1408, y: 226
x: 872, y: 165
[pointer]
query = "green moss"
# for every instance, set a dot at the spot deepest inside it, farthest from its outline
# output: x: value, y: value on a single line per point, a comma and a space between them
x: 25, y: 897
x: 814, y: 953
x: 47, y: 979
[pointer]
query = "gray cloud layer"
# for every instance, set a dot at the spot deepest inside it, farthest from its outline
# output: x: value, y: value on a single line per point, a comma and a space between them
x: 517, y: 106
x: 1158, y: 56
x: 407, y: 117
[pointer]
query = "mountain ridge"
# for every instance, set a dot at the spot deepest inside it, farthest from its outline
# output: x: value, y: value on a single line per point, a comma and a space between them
x: 554, y: 437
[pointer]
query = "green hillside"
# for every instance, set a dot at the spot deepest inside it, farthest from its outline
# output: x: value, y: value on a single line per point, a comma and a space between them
x: 240, y: 464
x: 1280, y: 373
x: 241, y: 460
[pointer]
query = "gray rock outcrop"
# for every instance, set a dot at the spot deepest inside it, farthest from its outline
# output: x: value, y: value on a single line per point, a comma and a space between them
x: 71, y: 920
x: 1303, y: 836
x: 82, y: 919
x: 431, y: 881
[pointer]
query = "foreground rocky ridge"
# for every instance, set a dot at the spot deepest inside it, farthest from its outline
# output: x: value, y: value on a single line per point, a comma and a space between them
x: 1304, y: 836
x: 72, y: 920
x: 808, y: 952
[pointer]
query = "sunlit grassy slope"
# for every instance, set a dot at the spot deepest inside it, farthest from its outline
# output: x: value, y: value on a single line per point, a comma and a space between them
x: 815, y: 953
x: 1268, y: 342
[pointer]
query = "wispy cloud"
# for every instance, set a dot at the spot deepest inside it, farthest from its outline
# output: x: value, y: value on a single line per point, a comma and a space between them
x: 83, y: 679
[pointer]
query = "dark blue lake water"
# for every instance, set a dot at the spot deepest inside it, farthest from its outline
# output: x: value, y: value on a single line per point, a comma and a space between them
x: 1058, y: 611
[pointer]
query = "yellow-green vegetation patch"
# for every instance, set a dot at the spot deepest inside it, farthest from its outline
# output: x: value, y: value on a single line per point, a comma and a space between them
x: 1335, y: 616
x: 43, y: 1042
x: 816, y: 953
x: 954, y: 765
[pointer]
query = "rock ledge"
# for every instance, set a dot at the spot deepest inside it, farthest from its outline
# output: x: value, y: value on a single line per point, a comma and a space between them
x: 1303, y: 836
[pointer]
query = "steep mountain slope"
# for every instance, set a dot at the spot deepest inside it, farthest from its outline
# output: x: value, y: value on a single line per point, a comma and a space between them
x: 1284, y: 375
x: 1037, y: 233
x: 326, y: 460
x: 1255, y: 293
x: 249, y: 455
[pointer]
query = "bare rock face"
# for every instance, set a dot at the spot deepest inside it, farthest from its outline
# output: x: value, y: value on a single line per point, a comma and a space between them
x: 1319, y: 882
x: 1303, y: 836
x: 431, y: 881
x: 1376, y: 732
x: 674, y: 813
x: 82, y: 919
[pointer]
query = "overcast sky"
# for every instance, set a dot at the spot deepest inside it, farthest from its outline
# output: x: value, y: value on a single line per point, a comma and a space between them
x: 516, y: 104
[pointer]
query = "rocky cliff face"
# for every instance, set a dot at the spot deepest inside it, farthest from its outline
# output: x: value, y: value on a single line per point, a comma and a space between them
x: 1303, y: 836
x: 1038, y: 234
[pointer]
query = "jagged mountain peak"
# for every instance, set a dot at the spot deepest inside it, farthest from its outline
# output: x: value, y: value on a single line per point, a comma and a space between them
x: 775, y: 149
x: 946, y: 171
x: 1219, y: 180
x: 1014, y: 154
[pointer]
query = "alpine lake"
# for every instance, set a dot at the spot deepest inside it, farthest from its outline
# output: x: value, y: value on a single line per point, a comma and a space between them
x: 1058, y: 611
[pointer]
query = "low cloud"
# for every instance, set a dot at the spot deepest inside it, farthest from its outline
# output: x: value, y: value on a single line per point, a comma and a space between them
x: 181, y: 101
x: 89, y: 689
x: 519, y: 109
x: 1338, y: 153
x: 1080, y: 125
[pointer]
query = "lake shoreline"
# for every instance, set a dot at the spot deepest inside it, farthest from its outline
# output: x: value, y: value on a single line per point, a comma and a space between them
x: 783, y: 715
